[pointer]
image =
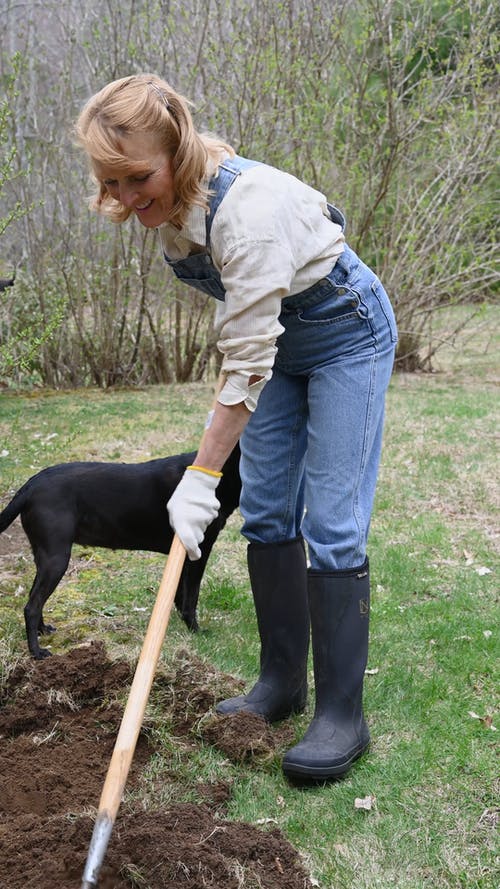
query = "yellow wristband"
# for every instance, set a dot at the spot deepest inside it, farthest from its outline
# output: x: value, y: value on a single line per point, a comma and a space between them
x: 206, y: 471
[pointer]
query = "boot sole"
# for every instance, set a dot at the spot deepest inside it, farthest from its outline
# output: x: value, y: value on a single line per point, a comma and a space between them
x: 321, y: 773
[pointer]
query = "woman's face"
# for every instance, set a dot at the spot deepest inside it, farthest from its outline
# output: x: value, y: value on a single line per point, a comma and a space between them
x: 149, y: 191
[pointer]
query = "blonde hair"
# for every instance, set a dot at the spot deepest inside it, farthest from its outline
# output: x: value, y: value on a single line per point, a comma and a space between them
x: 144, y: 103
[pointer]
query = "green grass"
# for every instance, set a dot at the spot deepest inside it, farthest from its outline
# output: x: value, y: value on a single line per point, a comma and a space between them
x: 434, y: 625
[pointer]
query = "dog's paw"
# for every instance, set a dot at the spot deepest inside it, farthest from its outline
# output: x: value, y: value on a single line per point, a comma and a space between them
x: 46, y: 629
x: 189, y: 619
x: 42, y: 653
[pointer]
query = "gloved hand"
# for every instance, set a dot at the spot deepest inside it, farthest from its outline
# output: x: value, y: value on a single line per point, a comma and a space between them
x: 192, y: 507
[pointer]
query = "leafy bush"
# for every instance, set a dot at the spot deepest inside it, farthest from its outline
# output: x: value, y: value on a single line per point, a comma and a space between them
x: 387, y: 107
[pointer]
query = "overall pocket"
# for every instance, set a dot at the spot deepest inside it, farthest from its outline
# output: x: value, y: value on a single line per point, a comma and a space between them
x: 197, y: 271
x: 341, y: 305
x: 384, y: 303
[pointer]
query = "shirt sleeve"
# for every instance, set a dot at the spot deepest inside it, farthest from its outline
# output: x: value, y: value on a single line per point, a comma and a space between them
x: 256, y: 277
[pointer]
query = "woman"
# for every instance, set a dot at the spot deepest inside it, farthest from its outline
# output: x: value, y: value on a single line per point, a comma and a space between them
x: 308, y: 336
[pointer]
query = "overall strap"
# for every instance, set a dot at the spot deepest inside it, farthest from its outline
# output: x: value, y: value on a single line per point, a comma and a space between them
x: 220, y: 184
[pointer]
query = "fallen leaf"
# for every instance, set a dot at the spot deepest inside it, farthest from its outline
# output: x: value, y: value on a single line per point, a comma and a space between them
x: 490, y: 817
x: 366, y: 802
x: 483, y: 570
x: 487, y: 634
x: 372, y: 671
x: 486, y: 720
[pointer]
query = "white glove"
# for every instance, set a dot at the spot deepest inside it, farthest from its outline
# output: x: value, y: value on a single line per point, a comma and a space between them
x: 192, y: 507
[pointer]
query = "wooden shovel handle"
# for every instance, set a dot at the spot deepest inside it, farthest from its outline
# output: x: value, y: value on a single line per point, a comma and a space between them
x: 133, y: 715
x: 144, y: 674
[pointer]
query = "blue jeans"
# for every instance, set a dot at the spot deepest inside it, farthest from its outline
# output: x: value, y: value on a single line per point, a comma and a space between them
x: 311, y: 450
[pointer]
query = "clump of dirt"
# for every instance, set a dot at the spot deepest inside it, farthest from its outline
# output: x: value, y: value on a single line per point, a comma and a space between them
x: 59, y: 719
x: 245, y: 736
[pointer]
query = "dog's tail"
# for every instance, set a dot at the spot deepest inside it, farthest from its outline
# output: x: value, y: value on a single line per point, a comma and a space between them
x: 14, y: 508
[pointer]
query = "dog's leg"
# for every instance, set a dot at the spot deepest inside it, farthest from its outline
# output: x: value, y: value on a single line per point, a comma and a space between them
x: 186, y: 598
x: 50, y: 570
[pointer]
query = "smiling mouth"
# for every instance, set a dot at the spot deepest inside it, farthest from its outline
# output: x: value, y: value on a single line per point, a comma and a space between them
x: 144, y: 206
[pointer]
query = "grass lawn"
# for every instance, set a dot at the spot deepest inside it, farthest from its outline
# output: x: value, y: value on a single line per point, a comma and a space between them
x: 431, y: 690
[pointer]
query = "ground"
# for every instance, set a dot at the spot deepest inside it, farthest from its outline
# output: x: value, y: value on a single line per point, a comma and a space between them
x: 58, y: 722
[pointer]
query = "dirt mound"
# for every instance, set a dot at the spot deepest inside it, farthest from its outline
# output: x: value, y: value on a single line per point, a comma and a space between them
x: 58, y: 722
x: 47, y: 691
x: 184, y: 847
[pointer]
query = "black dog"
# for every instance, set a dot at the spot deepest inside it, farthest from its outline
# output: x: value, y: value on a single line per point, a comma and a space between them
x: 113, y: 505
x: 6, y: 282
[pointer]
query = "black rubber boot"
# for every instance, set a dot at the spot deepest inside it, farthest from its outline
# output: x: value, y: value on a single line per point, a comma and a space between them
x: 278, y: 576
x: 339, y: 604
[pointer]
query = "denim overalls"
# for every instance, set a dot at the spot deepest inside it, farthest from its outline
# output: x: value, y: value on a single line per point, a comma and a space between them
x: 311, y: 450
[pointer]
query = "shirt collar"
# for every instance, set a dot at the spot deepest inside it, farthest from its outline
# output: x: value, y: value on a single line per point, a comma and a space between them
x: 195, y: 226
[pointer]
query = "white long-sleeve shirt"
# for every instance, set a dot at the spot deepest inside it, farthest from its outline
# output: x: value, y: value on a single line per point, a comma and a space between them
x: 272, y: 237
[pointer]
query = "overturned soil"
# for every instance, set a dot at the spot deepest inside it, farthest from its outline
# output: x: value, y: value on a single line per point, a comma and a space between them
x: 58, y: 723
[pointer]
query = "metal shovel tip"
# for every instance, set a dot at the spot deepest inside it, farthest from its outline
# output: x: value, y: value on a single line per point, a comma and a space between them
x: 97, y: 850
